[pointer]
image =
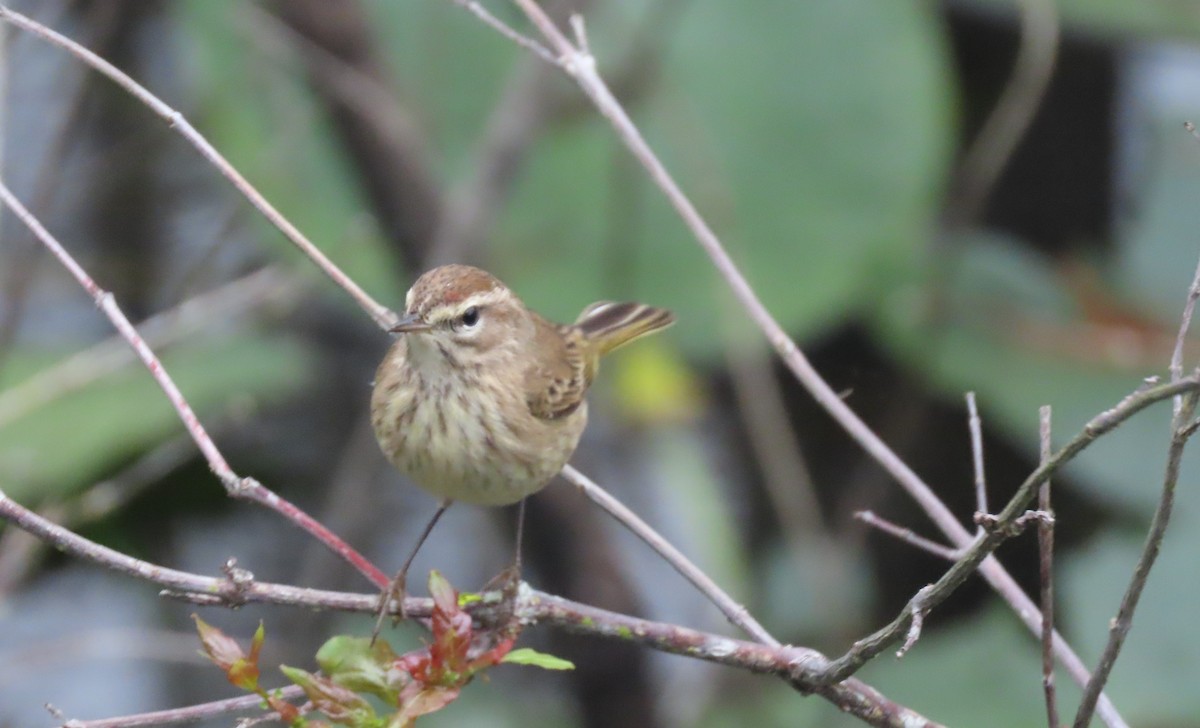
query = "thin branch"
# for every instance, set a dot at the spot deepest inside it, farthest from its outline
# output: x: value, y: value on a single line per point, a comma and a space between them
x: 1185, y: 322
x: 235, y: 485
x: 175, y: 120
x: 975, y: 427
x: 908, y: 536
x: 799, y: 666
x: 1046, y: 573
x: 582, y: 68
x: 734, y: 612
x: 503, y: 29
x: 190, y: 714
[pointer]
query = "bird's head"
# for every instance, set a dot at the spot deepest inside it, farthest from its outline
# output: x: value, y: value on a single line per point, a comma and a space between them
x: 462, y: 316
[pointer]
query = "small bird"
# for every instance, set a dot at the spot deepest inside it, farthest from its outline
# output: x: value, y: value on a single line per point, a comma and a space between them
x: 482, y: 400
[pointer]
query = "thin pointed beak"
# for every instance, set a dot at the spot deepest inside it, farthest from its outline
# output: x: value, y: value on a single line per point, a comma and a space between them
x: 410, y: 323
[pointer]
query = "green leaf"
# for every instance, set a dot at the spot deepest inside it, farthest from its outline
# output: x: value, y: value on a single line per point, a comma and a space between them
x: 357, y: 664
x: 530, y: 656
x: 339, y: 703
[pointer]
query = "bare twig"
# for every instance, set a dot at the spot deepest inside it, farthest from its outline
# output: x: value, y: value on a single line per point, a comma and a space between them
x: 734, y: 612
x: 800, y: 666
x: 582, y: 68
x: 975, y: 427
x: 1046, y: 573
x: 500, y: 27
x: 190, y: 714
x: 235, y: 485
x: 908, y: 536
x: 381, y: 314
x: 1185, y: 322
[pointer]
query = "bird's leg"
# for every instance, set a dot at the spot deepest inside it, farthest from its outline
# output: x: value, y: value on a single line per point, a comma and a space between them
x: 516, y: 565
x: 395, y: 589
x: 507, y: 581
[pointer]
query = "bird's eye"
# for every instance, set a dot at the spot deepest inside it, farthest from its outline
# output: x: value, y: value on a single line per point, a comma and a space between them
x: 470, y: 317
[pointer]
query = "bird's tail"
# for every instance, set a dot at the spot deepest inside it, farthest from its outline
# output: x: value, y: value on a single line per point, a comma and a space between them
x: 611, y: 325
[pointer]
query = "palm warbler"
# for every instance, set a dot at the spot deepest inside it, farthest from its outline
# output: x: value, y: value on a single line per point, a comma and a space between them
x: 481, y: 400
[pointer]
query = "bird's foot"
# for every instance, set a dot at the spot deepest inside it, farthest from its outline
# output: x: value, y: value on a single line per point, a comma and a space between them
x: 394, y: 593
x: 507, y: 583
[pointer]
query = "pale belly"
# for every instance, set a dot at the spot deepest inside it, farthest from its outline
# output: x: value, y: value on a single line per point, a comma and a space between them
x: 455, y: 448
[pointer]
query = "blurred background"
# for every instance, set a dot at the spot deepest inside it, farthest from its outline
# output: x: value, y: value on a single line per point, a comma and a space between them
x: 828, y: 143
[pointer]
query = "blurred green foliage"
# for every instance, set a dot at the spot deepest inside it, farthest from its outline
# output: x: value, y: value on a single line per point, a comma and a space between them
x: 79, y: 437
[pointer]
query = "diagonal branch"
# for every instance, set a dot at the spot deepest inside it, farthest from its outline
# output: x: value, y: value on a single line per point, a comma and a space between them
x: 734, y: 612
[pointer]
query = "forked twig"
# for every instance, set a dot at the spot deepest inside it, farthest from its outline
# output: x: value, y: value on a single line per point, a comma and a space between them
x: 908, y: 536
